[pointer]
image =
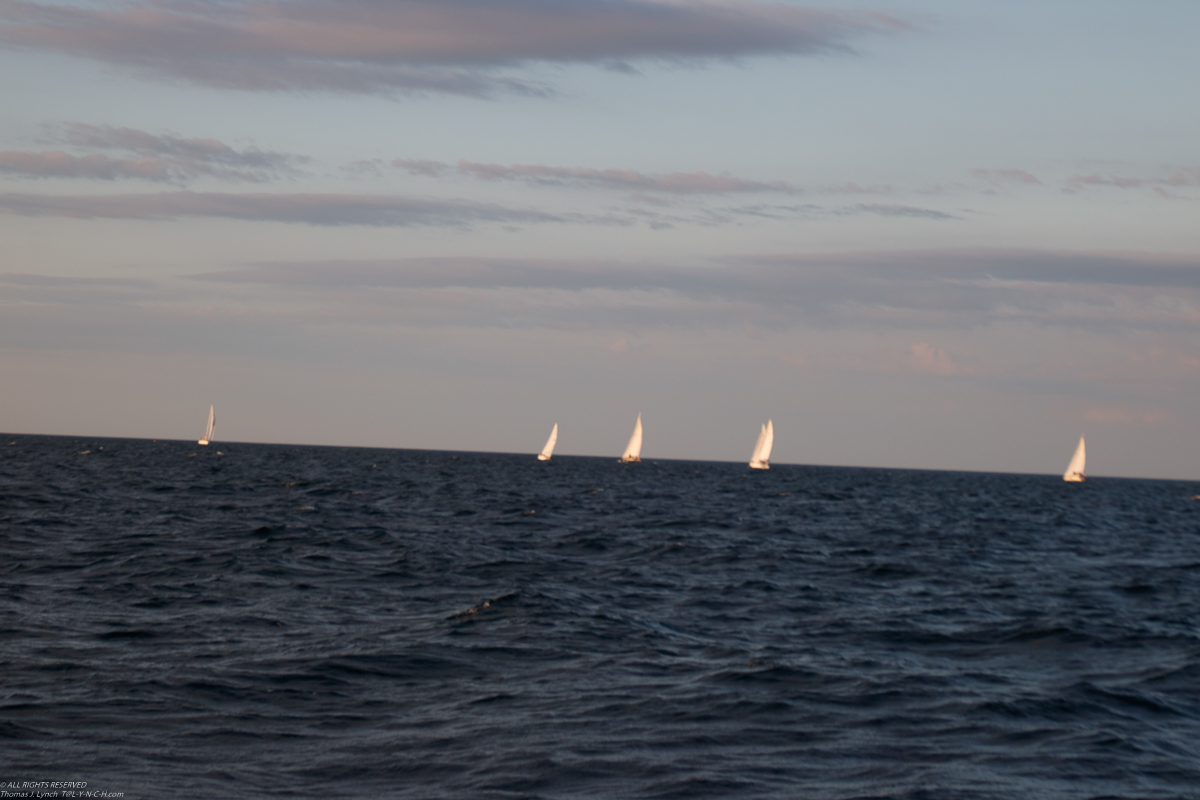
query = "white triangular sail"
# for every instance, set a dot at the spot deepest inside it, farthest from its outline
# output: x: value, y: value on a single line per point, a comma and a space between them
x: 761, y: 457
x: 548, y: 450
x: 1074, y: 472
x: 208, y: 429
x: 633, y: 450
x: 762, y: 437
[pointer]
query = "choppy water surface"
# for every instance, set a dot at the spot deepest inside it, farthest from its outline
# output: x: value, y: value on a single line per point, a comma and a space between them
x: 274, y: 621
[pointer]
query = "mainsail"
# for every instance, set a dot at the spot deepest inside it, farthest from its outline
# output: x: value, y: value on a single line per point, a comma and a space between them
x: 548, y: 450
x: 633, y: 450
x: 761, y: 457
x: 1074, y: 472
x: 208, y: 430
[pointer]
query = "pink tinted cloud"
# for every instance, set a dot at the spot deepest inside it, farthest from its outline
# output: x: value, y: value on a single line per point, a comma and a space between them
x: 154, y: 157
x: 921, y: 358
x: 626, y: 179
x: 1127, y: 415
x: 423, y: 45
x: 930, y: 360
x: 1180, y: 178
x: 57, y: 164
x: 1008, y: 175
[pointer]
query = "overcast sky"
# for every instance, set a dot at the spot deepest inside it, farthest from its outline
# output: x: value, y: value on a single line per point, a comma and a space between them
x: 924, y: 233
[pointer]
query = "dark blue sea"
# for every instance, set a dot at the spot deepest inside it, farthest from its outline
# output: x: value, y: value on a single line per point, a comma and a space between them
x: 270, y: 621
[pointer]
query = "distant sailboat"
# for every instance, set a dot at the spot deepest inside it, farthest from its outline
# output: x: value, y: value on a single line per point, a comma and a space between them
x: 549, y: 448
x: 633, y: 450
x: 1074, y: 472
x: 761, y: 457
x: 208, y: 430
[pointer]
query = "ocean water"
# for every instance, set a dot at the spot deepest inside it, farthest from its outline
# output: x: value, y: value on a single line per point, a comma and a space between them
x: 266, y: 621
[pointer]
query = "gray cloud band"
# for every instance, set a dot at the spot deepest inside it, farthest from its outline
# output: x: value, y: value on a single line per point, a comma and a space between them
x: 760, y: 274
x: 919, y: 290
x: 312, y: 209
x: 392, y: 210
x: 622, y: 179
x: 145, y: 156
x: 941, y: 289
x: 451, y: 46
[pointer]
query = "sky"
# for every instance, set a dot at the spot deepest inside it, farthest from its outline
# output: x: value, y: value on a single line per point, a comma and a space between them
x: 914, y: 234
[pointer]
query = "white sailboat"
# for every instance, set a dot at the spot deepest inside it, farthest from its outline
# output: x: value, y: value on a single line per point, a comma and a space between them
x: 761, y: 457
x: 208, y: 430
x: 548, y: 450
x: 1074, y: 472
x: 633, y: 450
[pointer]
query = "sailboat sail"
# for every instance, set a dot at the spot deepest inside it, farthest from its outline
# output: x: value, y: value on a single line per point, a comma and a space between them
x: 208, y: 429
x: 1074, y: 472
x: 633, y: 450
x: 548, y: 450
x: 762, y: 437
x: 761, y: 457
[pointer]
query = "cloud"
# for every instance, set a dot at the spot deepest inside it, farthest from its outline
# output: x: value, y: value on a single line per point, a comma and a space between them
x: 624, y: 179
x: 1179, y: 179
x: 1127, y: 415
x: 892, y: 210
x: 920, y: 359
x: 940, y: 290
x: 918, y: 294
x: 919, y: 316
x: 464, y: 272
x: 1164, y: 360
x: 1163, y: 193
x: 153, y: 157
x: 375, y: 210
x: 660, y: 201
x: 428, y: 169
x: 310, y: 209
x: 854, y: 188
x: 29, y: 303
x: 53, y: 281
x: 58, y: 164
x: 766, y: 276
x: 1002, y: 267
x: 1006, y: 175
x: 452, y: 46
x: 796, y: 360
x: 930, y: 360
